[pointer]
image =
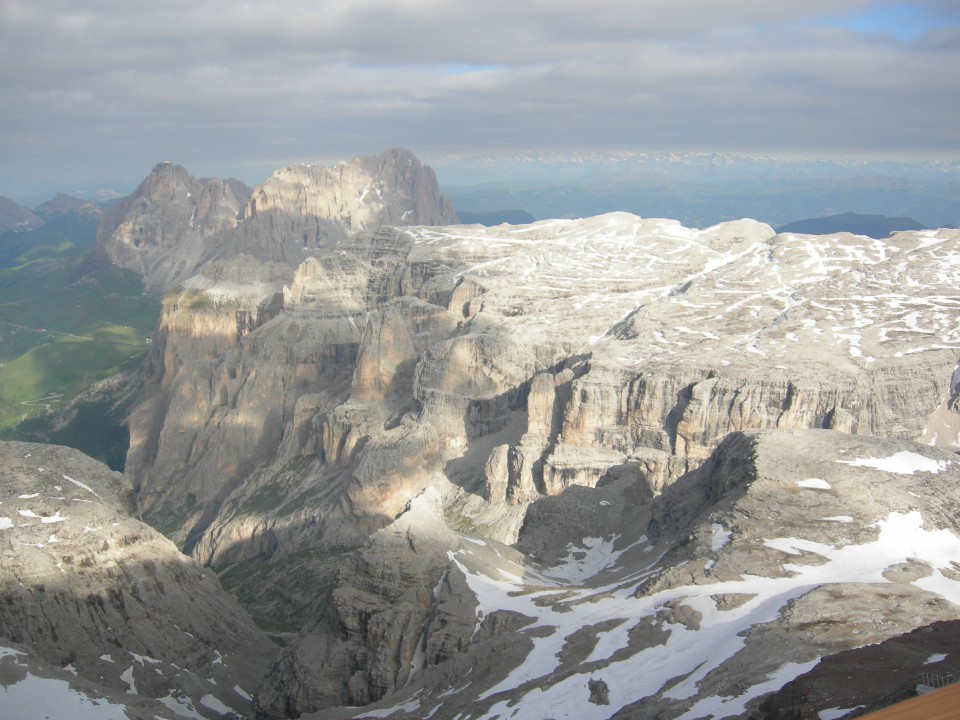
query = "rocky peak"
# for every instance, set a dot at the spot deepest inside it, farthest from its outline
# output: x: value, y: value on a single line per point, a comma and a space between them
x: 162, y: 231
x: 62, y: 204
x: 173, y: 223
x: 392, y: 188
x: 17, y: 217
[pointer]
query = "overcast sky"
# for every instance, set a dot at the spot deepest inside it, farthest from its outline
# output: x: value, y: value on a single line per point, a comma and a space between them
x: 95, y: 92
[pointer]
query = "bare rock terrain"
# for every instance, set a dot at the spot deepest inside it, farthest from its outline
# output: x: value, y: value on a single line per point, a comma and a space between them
x: 608, y: 467
x: 106, y: 603
x: 784, y: 547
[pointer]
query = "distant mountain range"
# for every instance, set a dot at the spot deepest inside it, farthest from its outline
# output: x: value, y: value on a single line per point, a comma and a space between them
x: 875, y: 226
x: 703, y: 189
x: 511, y: 217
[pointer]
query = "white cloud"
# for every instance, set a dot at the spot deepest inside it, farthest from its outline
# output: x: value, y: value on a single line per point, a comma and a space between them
x: 213, y: 84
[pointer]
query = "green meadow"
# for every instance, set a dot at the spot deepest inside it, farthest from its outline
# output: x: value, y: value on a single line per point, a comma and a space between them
x: 68, y: 319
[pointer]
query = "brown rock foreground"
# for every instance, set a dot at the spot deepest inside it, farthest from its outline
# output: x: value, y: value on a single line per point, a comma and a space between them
x: 92, y: 596
x: 878, y: 681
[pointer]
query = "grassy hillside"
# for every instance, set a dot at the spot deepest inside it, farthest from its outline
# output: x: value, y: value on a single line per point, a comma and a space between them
x: 68, y: 318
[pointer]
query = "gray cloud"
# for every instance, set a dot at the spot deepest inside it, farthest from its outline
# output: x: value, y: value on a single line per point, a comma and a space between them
x: 95, y: 92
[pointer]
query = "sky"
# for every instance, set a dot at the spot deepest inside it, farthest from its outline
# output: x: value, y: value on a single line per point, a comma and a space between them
x: 93, y: 93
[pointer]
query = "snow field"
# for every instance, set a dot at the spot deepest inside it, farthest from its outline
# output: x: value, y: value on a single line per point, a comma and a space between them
x: 688, y: 656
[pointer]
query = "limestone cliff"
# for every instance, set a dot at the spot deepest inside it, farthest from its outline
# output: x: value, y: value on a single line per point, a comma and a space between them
x: 173, y: 223
x: 161, y: 231
x: 784, y: 547
x: 332, y: 405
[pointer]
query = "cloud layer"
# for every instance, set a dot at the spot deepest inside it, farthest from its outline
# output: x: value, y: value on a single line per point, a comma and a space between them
x: 99, y: 90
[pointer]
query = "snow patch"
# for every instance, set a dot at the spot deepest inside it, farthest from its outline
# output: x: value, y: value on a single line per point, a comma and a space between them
x: 901, y: 463
x: 55, y: 518
x: 686, y: 653
x: 5, y: 523
x: 836, y: 712
x: 212, y: 702
x: 127, y: 677
x: 181, y: 706
x: 720, y: 537
x: 935, y: 658
x: 584, y: 562
x: 814, y: 484
x: 82, y: 486
x: 719, y: 706
x: 36, y: 697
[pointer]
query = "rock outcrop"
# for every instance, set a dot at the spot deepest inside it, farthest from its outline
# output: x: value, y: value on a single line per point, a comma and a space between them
x: 865, y: 679
x: 784, y: 547
x: 162, y: 230
x: 17, y: 218
x: 61, y: 204
x: 173, y: 223
x: 547, y: 385
x: 88, y: 587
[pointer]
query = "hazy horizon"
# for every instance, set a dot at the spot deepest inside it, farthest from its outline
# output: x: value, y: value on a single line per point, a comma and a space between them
x: 96, y: 93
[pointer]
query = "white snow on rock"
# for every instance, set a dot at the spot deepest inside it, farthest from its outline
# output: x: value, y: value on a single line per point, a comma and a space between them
x: 720, y: 537
x: 836, y: 712
x: 55, y: 518
x: 723, y: 706
x: 584, y: 562
x: 814, y: 484
x: 935, y: 658
x: 81, y: 485
x: 127, y: 677
x: 36, y: 697
x: 902, y: 463
x: 212, y: 702
x: 181, y: 706
x: 5, y: 523
x: 687, y: 653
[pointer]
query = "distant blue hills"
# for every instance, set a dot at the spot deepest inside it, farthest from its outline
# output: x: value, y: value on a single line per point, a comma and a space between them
x: 875, y: 226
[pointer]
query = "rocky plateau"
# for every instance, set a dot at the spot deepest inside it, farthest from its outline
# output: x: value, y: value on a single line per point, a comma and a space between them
x: 593, y: 468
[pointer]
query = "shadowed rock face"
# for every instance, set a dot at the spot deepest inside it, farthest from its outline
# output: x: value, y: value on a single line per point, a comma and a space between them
x: 864, y: 679
x: 163, y: 229
x: 784, y: 547
x: 173, y: 223
x: 318, y: 377
x: 85, y: 584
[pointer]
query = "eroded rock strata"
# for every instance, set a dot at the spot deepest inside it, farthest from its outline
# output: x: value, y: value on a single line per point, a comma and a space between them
x: 341, y: 417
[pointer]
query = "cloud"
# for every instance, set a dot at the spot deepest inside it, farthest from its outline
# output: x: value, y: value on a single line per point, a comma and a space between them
x: 242, y: 87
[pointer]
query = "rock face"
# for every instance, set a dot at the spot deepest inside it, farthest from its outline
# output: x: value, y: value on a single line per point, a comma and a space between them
x: 388, y: 189
x: 61, y: 204
x: 173, y: 223
x: 861, y: 680
x: 16, y: 217
x: 162, y: 230
x: 334, y: 406
x: 784, y: 547
x: 86, y: 586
